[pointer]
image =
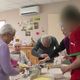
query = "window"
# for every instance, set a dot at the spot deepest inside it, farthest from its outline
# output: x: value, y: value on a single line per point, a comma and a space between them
x: 2, y: 23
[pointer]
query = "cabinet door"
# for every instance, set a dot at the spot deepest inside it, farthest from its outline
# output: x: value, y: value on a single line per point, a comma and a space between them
x: 33, y: 59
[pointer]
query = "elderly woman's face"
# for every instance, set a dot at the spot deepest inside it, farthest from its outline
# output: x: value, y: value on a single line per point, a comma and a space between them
x: 9, y: 38
x: 17, y: 47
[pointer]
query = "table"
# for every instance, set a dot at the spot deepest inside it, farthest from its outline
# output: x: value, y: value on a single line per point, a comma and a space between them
x: 45, y: 72
x: 19, y: 77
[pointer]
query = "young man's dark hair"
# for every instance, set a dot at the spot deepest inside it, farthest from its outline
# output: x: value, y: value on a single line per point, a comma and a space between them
x: 70, y: 13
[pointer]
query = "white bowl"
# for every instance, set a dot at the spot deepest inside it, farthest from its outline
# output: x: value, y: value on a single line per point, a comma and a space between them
x: 56, y: 73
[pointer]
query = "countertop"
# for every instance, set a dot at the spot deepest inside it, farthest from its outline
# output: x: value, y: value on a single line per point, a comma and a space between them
x: 44, y: 72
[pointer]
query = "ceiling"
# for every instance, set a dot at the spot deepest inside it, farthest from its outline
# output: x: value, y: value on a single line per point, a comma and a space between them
x: 12, y: 4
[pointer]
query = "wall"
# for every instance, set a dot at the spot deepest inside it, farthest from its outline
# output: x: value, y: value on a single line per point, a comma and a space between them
x: 47, y: 15
x: 13, y: 18
x: 54, y: 26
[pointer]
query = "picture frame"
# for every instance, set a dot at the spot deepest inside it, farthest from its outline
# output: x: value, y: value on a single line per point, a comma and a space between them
x: 36, y: 25
x: 27, y: 33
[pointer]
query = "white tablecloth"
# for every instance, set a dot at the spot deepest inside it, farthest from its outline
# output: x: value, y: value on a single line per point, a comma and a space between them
x: 19, y: 77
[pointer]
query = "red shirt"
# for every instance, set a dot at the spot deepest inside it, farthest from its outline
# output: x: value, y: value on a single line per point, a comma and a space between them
x: 74, y: 47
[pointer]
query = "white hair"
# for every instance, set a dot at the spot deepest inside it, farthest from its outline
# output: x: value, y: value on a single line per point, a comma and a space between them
x: 44, y: 37
x: 7, y: 29
x: 16, y: 43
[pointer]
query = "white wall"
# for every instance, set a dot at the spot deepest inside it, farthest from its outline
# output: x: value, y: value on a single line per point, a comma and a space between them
x: 13, y: 18
x: 54, y: 26
x: 49, y: 19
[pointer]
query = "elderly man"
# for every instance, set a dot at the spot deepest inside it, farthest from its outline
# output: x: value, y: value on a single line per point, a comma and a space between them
x: 6, y: 35
x: 19, y: 56
x: 45, y: 47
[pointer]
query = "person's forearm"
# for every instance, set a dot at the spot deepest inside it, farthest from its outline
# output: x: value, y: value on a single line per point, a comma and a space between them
x: 13, y: 72
x: 5, y: 62
x: 75, y: 64
x: 34, y: 53
x: 60, y: 48
x: 7, y: 68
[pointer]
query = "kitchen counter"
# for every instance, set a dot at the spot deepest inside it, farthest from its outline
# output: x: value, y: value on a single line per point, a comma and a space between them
x: 54, y: 72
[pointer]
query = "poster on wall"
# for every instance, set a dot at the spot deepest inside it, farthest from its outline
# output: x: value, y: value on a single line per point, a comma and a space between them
x: 36, y: 25
x: 30, y: 26
x: 36, y: 18
x: 23, y: 29
x: 27, y: 33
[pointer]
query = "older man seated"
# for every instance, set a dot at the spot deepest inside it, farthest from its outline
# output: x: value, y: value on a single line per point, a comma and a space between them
x: 18, y: 56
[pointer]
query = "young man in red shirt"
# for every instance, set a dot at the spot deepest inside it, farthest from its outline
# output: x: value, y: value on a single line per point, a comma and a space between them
x: 71, y: 22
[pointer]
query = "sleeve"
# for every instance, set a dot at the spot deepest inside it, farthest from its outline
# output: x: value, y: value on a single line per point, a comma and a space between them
x: 25, y: 58
x: 60, y: 48
x: 77, y: 41
x: 36, y: 51
x: 5, y: 61
x: 56, y: 44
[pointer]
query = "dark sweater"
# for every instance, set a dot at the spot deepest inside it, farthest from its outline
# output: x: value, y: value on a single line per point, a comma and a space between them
x: 40, y: 49
x: 64, y: 44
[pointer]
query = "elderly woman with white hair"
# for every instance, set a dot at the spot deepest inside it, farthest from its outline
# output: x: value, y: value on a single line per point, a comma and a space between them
x: 18, y: 56
x: 6, y: 35
x: 45, y: 47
